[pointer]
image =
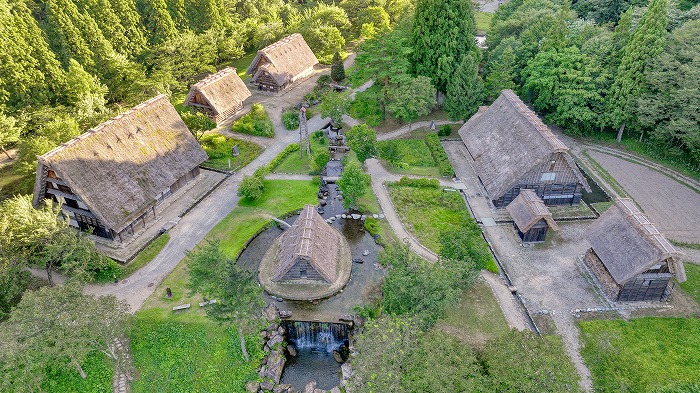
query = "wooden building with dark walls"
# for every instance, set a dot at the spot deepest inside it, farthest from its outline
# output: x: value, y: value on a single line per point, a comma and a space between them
x: 281, y: 64
x: 219, y: 95
x: 309, y: 250
x: 512, y: 150
x: 531, y: 218
x: 110, y: 179
x: 630, y: 258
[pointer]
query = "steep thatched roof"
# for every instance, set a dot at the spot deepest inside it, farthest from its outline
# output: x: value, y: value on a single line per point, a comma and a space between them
x: 527, y: 209
x: 222, y: 90
x: 310, y: 239
x: 284, y: 59
x: 120, y: 167
x: 628, y: 243
x: 507, y: 141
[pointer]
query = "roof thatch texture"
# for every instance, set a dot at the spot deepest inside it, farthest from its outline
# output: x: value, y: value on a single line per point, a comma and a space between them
x: 120, y: 167
x: 286, y: 59
x: 222, y: 90
x: 628, y: 244
x: 310, y: 239
x: 507, y: 140
x: 527, y: 209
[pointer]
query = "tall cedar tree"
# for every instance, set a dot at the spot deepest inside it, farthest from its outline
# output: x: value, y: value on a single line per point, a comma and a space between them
x: 411, y: 98
x: 645, y: 43
x: 465, y: 91
x: 442, y: 33
x: 337, y: 68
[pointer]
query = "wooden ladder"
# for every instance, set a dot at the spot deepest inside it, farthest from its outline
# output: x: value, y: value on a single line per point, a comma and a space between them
x: 303, y: 134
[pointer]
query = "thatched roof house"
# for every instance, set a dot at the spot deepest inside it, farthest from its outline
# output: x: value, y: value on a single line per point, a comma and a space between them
x: 110, y: 178
x: 280, y: 64
x: 531, y: 218
x: 309, y: 250
x: 219, y: 95
x: 630, y: 257
x: 512, y: 149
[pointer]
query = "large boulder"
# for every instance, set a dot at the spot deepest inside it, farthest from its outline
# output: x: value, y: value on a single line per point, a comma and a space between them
x: 310, y: 387
x: 267, y: 385
x: 275, y: 365
x: 252, y: 387
x: 271, y: 312
x: 335, y: 390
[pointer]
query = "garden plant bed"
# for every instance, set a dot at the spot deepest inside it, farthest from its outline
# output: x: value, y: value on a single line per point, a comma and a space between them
x: 218, y: 148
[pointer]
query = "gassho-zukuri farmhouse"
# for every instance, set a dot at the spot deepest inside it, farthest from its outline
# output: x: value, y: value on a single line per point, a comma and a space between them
x: 111, y: 178
x: 308, y: 261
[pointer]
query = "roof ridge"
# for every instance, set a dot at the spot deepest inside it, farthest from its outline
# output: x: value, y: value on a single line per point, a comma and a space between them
x: 535, y: 121
x: 644, y: 226
x: 100, y: 127
x: 214, y: 77
x: 280, y: 42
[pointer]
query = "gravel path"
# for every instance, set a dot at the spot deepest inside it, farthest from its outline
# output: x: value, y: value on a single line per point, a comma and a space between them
x: 673, y: 207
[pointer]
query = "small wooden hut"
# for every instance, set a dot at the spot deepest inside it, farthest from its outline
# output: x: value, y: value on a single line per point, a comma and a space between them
x: 280, y: 64
x: 630, y: 258
x: 531, y: 218
x: 512, y: 149
x: 219, y: 95
x: 309, y: 250
x: 110, y: 178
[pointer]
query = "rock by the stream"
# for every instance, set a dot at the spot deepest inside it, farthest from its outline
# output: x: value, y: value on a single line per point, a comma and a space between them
x: 346, y: 369
x: 267, y: 385
x: 335, y: 390
x: 283, y: 388
x: 365, y: 252
x: 356, y: 216
x: 252, y: 387
x: 275, y: 365
x: 375, y: 216
x: 271, y: 312
x: 292, y: 350
x: 310, y: 387
x: 338, y: 357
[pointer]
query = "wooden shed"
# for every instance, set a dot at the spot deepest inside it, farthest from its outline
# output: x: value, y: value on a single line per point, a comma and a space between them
x: 630, y: 258
x: 219, y: 95
x: 531, y: 218
x: 110, y: 178
x: 512, y: 149
x: 309, y: 250
x: 280, y: 64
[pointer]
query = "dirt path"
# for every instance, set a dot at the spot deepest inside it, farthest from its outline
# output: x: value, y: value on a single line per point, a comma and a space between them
x: 410, y: 127
x: 511, y: 310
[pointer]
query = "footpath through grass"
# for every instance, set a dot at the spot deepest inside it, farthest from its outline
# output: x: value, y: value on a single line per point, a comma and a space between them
x: 643, y: 355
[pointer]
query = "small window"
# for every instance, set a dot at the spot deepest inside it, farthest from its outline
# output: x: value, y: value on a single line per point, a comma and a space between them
x: 302, y: 273
x: 548, y: 176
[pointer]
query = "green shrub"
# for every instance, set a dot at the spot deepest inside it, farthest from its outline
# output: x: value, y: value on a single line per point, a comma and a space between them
x: 282, y: 155
x: 418, y: 183
x: 445, y: 130
x: 251, y: 187
x: 256, y: 122
x: 290, y: 118
x: 321, y: 160
x: 318, y: 134
x: 443, y: 163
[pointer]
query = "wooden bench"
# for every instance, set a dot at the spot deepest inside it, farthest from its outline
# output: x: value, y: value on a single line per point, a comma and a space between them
x: 181, y: 307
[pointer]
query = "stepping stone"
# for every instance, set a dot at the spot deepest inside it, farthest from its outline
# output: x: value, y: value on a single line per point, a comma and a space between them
x: 381, y: 216
x: 356, y: 216
x: 364, y: 217
x: 375, y: 216
x: 365, y: 252
x: 343, y: 216
x: 337, y: 215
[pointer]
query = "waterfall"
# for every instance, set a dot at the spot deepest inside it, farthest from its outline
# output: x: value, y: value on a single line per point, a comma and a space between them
x: 319, y: 336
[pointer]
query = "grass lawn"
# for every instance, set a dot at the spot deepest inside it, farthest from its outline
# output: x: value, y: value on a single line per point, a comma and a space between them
x: 692, y: 285
x: 242, y: 64
x: 12, y: 182
x: 483, y: 21
x: 279, y: 198
x: 412, y: 157
x: 643, y: 354
x: 188, y: 352
x: 146, y: 255
x: 477, y: 317
x: 218, y: 148
x: 293, y: 164
x: 427, y: 211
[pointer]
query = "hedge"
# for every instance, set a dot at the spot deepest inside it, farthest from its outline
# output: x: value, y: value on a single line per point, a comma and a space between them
x: 441, y: 160
x: 283, y: 154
